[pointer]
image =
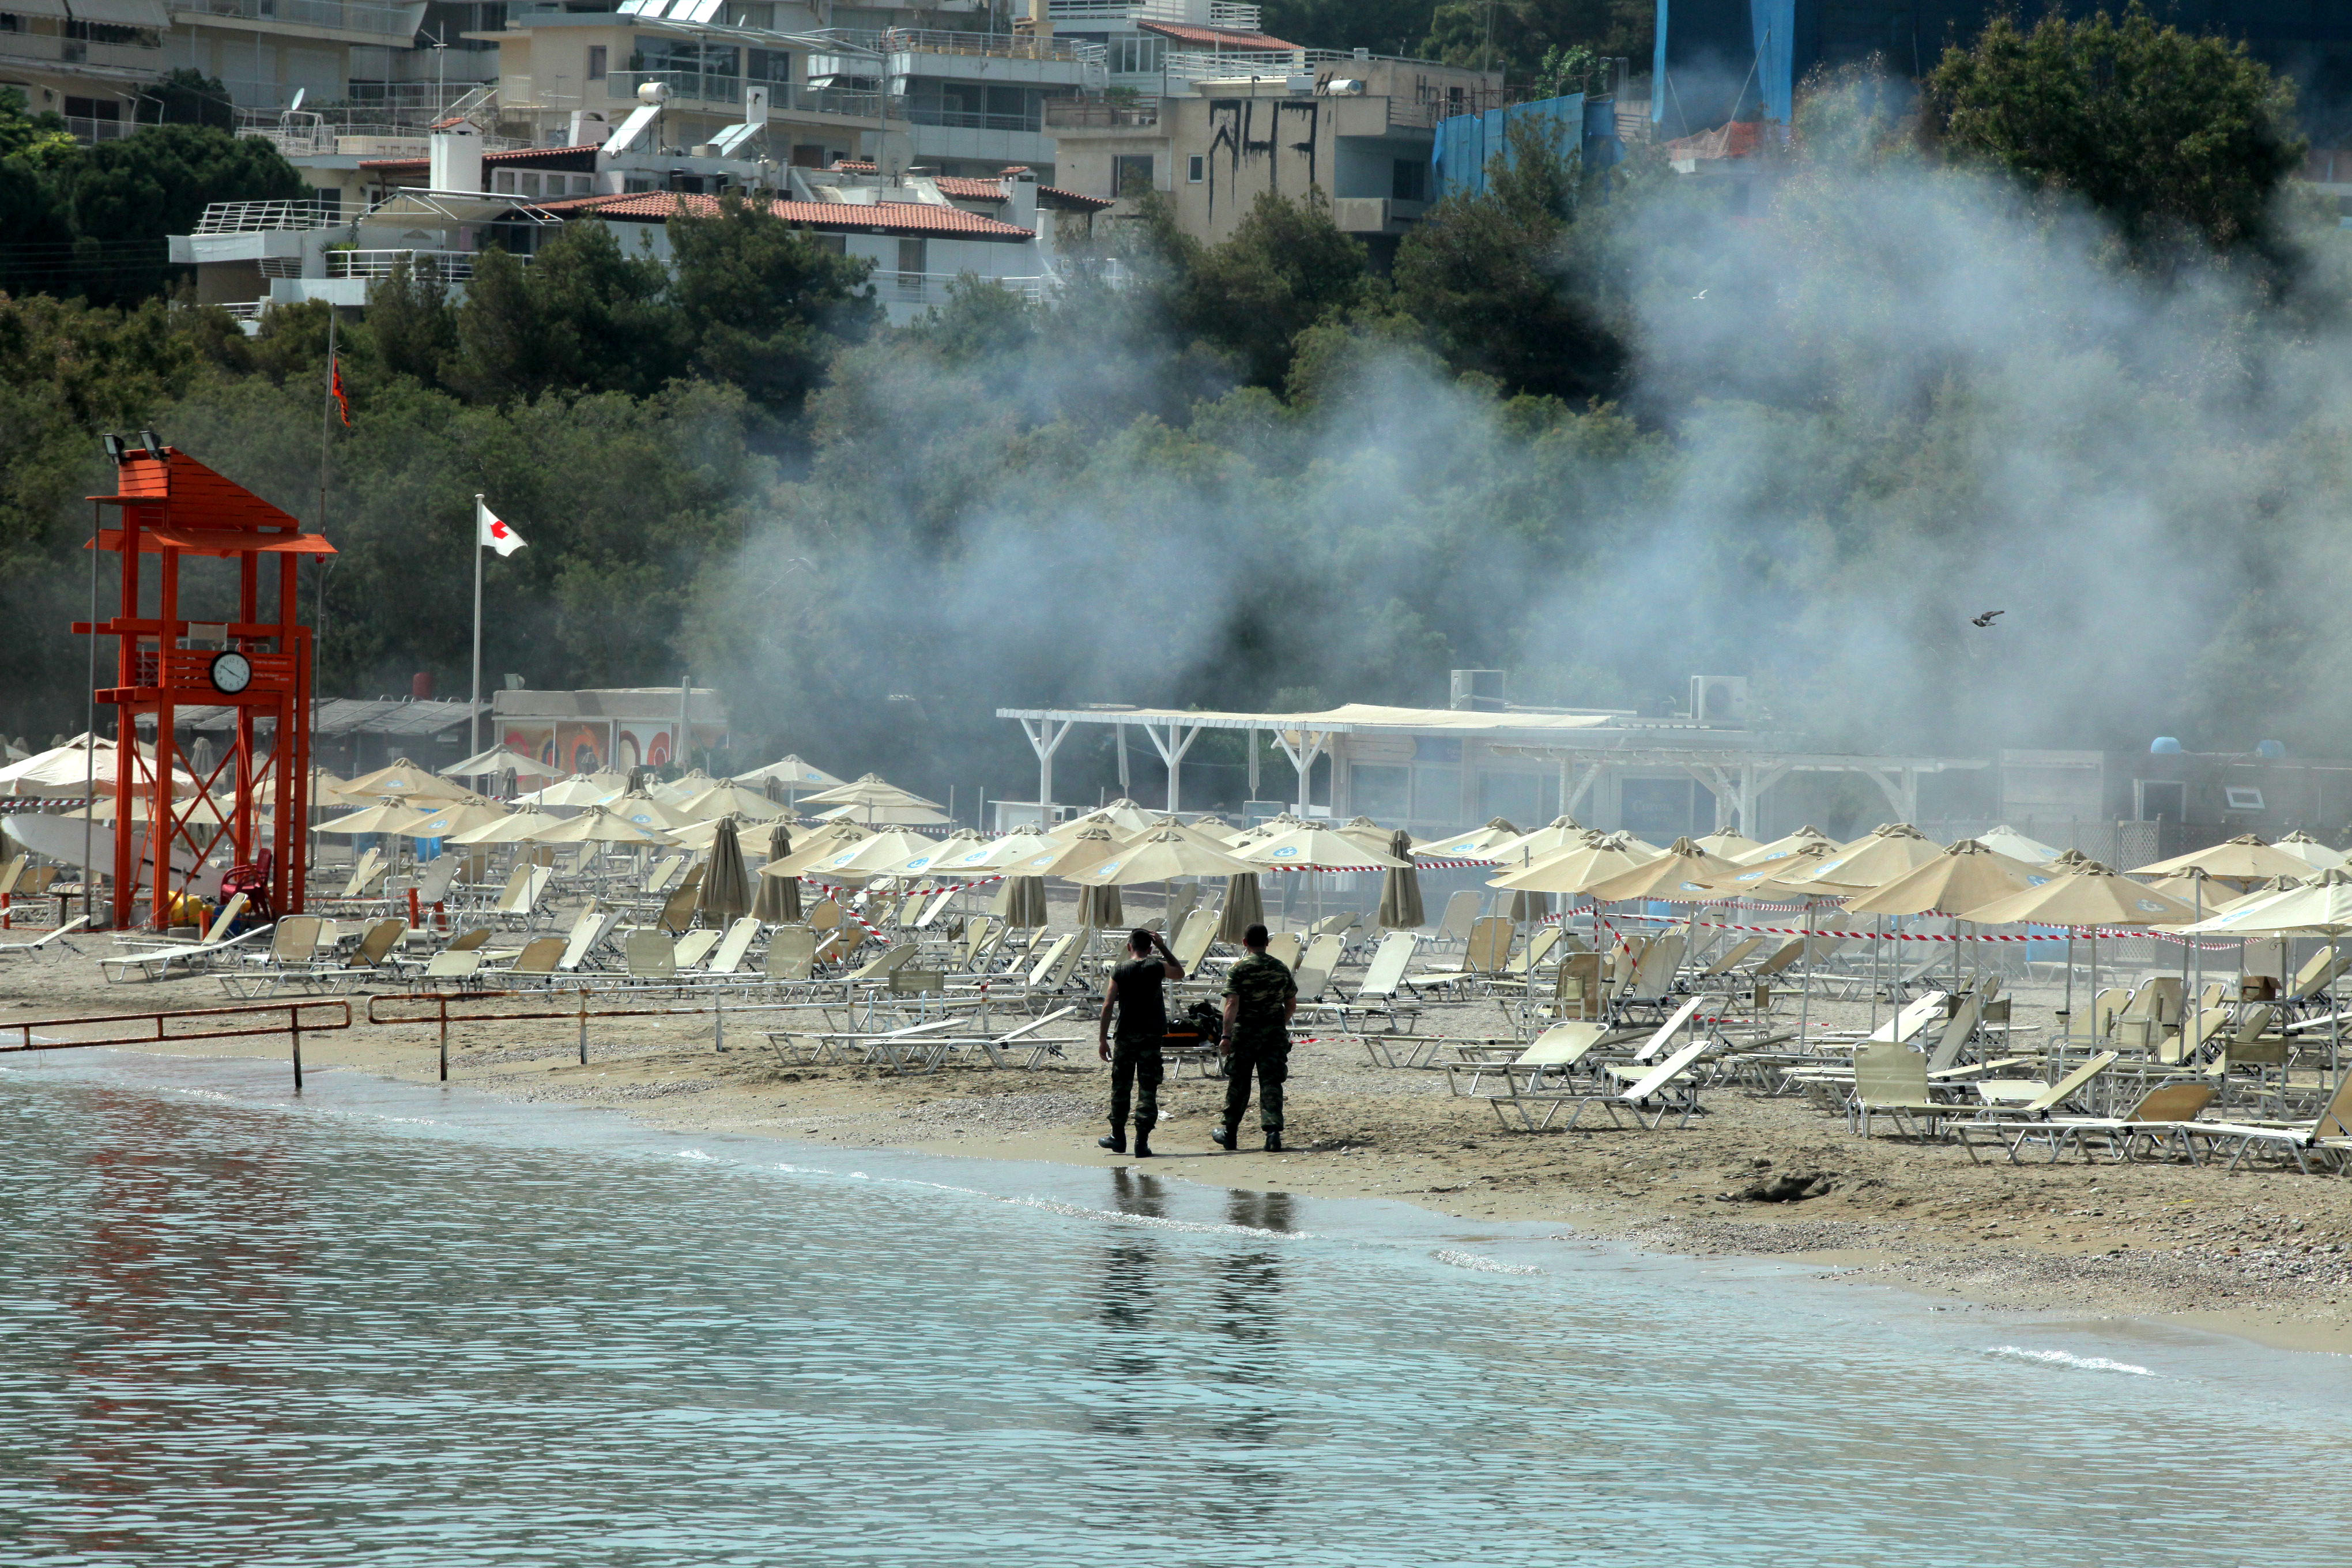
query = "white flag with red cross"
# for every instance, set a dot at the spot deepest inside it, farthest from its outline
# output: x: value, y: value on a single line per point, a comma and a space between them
x: 493, y: 530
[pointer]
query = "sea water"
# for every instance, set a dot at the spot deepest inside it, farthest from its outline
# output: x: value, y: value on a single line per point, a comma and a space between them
x: 395, y: 1324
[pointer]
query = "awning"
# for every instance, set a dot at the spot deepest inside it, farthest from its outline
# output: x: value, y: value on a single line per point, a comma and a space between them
x: 119, y: 13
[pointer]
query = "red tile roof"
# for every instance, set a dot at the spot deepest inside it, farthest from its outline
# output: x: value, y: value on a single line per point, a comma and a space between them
x: 963, y: 187
x: 1054, y: 196
x: 584, y: 159
x: 885, y: 218
x: 1215, y: 37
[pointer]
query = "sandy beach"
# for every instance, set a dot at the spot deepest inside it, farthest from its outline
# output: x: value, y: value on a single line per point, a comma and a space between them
x: 2258, y: 1254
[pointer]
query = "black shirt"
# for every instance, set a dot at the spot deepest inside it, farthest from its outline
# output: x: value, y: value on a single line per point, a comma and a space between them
x: 1142, y: 1004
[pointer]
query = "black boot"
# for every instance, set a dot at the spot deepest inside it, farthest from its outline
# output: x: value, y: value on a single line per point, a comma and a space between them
x: 1273, y: 1142
x: 1117, y: 1141
x: 1142, y: 1142
x: 1222, y: 1136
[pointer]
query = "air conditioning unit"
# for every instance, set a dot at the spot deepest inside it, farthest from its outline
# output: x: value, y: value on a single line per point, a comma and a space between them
x: 1719, y: 699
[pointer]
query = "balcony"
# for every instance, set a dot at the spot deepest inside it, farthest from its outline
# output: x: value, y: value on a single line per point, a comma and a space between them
x: 1099, y: 115
x: 865, y: 43
x: 1186, y: 13
x: 697, y: 87
x: 269, y: 217
x: 448, y: 266
x: 910, y: 290
x: 384, y: 23
x: 132, y: 56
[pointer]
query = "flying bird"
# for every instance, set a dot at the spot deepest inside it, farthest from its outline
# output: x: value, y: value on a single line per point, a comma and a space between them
x: 1988, y: 617
x: 1700, y: 295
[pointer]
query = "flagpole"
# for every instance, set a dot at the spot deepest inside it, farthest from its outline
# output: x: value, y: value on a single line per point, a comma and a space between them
x: 474, y: 709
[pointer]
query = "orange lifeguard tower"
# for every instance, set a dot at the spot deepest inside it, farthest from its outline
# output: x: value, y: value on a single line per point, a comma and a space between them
x: 170, y: 506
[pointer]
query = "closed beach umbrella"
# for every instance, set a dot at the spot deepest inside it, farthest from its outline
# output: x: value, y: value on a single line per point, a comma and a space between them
x: 1244, y: 907
x: 778, y: 900
x: 1100, y: 908
x: 726, y: 886
x: 1021, y: 904
x: 1399, y: 888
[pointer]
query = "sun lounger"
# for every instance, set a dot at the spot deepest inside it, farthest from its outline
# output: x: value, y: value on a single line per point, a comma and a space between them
x: 1377, y: 994
x: 1891, y: 1080
x: 1669, y: 1088
x: 1454, y: 925
x: 734, y: 946
x: 292, y: 955
x: 792, y: 954
x: 2328, y: 1134
x: 536, y: 963
x: 651, y: 957
x: 1557, y: 1049
x: 692, y: 947
x: 449, y: 971
x: 2157, y: 1119
x: 39, y: 942
x: 155, y: 962
x: 589, y: 931
x: 372, y: 959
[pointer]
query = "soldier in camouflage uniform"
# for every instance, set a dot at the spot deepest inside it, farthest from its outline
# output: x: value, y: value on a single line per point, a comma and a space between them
x: 1259, y: 1000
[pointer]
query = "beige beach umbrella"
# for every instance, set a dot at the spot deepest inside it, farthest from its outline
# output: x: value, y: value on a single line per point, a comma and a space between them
x: 2007, y: 840
x: 1888, y: 852
x: 1244, y: 907
x: 326, y: 789
x: 1367, y: 833
x: 989, y: 855
x: 1401, y: 906
x: 1684, y: 874
x: 1560, y: 833
x: 581, y: 789
x: 1189, y: 834
x: 886, y: 815
x: 1316, y: 849
x: 597, y: 825
x: 927, y: 864
x: 1966, y: 875
x: 729, y: 799
x: 1063, y: 858
x: 872, y: 798
x: 2244, y: 859
x: 726, y: 893
x: 1123, y: 818
x: 1781, y: 847
x: 1791, y: 876
x: 386, y: 818
x: 457, y: 817
x: 821, y: 845
x: 792, y: 773
x: 777, y: 900
x: 512, y: 829
x: 1160, y: 858
x: 1726, y: 845
x: 645, y: 811
x: 2254, y: 897
x: 502, y: 759
x: 2094, y: 896
x: 407, y: 780
x: 203, y: 809
x: 2274, y: 909
x: 1216, y: 828
x: 1475, y: 845
x: 2319, y: 856
x: 681, y: 789
x: 869, y: 857
x: 1603, y: 856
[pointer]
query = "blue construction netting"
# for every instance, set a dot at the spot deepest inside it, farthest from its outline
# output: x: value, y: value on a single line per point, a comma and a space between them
x: 1465, y: 143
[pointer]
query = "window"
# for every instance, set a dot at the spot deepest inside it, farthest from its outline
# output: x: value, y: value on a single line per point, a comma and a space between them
x: 330, y: 199
x: 1129, y: 170
x: 93, y: 108
x: 1382, y: 793
x: 1409, y: 181
x: 806, y: 156
x: 635, y: 185
x: 831, y: 244
x: 502, y: 182
x: 2165, y: 798
x: 1136, y: 55
x: 598, y: 55
x: 1196, y: 169
x: 1436, y: 749
x: 913, y: 256
x: 2241, y: 798
x: 774, y: 65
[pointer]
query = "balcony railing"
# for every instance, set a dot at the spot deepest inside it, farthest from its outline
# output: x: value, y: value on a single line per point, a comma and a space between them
x: 448, y: 266
x: 135, y: 54
x: 932, y: 287
x: 90, y: 132
x: 1187, y: 12
x: 938, y: 41
x: 1099, y: 115
x: 348, y: 15
x: 783, y: 97
x: 921, y: 112
x: 269, y: 217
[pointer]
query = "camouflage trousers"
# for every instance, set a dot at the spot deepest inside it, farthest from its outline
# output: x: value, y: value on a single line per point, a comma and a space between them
x: 1136, y: 1068
x: 1270, y: 1064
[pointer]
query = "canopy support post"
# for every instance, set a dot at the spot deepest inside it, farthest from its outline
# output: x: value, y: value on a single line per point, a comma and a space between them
x: 1302, y: 755
x: 1045, y: 738
x: 1172, y: 751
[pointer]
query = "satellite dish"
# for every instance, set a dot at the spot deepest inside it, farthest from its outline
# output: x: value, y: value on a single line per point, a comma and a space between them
x: 299, y: 94
x: 652, y: 92
x: 897, y: 155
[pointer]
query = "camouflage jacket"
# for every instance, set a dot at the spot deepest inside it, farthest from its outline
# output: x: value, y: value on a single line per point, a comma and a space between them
x: 1264, y: 987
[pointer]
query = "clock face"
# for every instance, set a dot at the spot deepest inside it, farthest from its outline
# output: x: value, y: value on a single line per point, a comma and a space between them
x: 232, y: 673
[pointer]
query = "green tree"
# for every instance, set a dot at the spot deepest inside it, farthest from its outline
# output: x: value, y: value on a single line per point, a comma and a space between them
x: 1286, y: 267
x: 1384, y: 27
x: 1518, y: 34
x: 410, y: 324
x: 124, y: 197
x: 1489, y: 274
x: 186, y: 96
x: 2170, y: 135
x: 763, y: 304
x: 584, y: 314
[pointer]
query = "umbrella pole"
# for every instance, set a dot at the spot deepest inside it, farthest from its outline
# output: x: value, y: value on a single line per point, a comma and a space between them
x: 1805, y: 1000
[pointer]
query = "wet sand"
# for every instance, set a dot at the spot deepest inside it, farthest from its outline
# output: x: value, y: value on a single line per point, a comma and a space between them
x: 2263, y: 1254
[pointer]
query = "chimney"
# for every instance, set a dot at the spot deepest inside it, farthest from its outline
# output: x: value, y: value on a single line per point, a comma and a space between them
x: 1041, y: 19
x: 420, y: 686
x: 455, y: 160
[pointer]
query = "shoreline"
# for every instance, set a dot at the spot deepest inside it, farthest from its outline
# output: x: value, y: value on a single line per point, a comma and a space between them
x: 2263, y: 1257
